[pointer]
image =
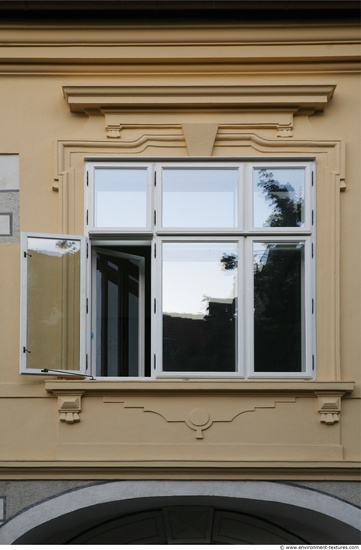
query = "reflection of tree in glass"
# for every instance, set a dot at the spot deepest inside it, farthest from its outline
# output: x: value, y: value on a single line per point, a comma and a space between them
x: 287, y: 207
x: 66, y: 246
x: 277, y: 309
x: 277, y: 285
x: 229, y: 261
x: 209, y: 344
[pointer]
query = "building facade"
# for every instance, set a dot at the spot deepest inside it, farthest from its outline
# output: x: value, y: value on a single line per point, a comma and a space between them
x: 180, y: 284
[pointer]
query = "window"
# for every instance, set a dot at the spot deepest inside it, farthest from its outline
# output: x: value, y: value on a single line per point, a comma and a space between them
x: 195, y: 269
x: 53, y: 303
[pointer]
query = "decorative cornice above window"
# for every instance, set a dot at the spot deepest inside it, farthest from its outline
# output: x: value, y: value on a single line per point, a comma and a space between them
x: 243, y: 107
x: 101, y: 99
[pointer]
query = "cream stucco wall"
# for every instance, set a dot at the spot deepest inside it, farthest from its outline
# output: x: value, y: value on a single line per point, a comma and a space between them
x: 234, y: 91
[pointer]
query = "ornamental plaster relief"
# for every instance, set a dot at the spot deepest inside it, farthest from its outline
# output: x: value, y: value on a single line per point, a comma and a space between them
x: 169, y: 429
x: 200, y: 418
x: 197, y: 417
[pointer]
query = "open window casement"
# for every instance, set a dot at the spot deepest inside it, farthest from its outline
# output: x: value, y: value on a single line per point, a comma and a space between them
x: 53, y: 303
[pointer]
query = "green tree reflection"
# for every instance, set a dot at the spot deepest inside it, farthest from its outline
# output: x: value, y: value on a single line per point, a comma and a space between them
x: 277, y: 284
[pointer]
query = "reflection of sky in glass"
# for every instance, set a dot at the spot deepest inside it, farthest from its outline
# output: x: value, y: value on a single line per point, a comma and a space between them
x: 53, y: 247
x: 292, y: 178
x: 121, y: 197
x: 192, y: 272
x: 200, y: 197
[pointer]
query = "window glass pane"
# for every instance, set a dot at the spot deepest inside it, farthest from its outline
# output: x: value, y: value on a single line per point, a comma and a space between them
x: 200, y: 197
x: 199, y: 307
x: 120, y: 197
x: 279, y: 331
x: 53, y: 304
x: 279, y: 197
x: 118, y: 315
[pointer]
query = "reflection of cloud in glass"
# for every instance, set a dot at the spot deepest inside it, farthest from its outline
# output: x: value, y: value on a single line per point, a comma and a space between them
x: 193, y: 274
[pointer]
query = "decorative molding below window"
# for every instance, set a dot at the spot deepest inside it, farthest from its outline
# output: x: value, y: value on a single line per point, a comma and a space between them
x: 69, y: 393
x: 199, y: 419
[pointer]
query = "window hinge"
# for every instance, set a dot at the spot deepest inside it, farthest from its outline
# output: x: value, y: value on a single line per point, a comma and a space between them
x: 312, y: 250
x: 86, y: 362
x: 87, y: 217
x: 313, y: 217
x: 313, y: 306
x: 87, y: 250
x: 87, y: 179
x: 155, y: 179
x: 312, y: 180
x: 313, y: 362
x: 155, y: 250
x: 155, y: 305
x: 155, y: 361
x: 155, y: 217
x: 87, y: 305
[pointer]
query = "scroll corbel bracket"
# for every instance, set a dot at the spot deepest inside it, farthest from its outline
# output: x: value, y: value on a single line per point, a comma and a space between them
x: 329, y: 407
x: 69, y: 407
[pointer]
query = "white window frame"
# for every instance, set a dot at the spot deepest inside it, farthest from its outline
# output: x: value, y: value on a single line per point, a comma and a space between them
x: 24, y: 351
x: 270, y: 165
x: 91, y: 168
x: 245, y: 234
x: 158, y: 201
x: 308, y: 301
x: 158, y: 327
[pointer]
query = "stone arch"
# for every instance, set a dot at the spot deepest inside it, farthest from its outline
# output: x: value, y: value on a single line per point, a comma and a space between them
x: 229, y: 511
